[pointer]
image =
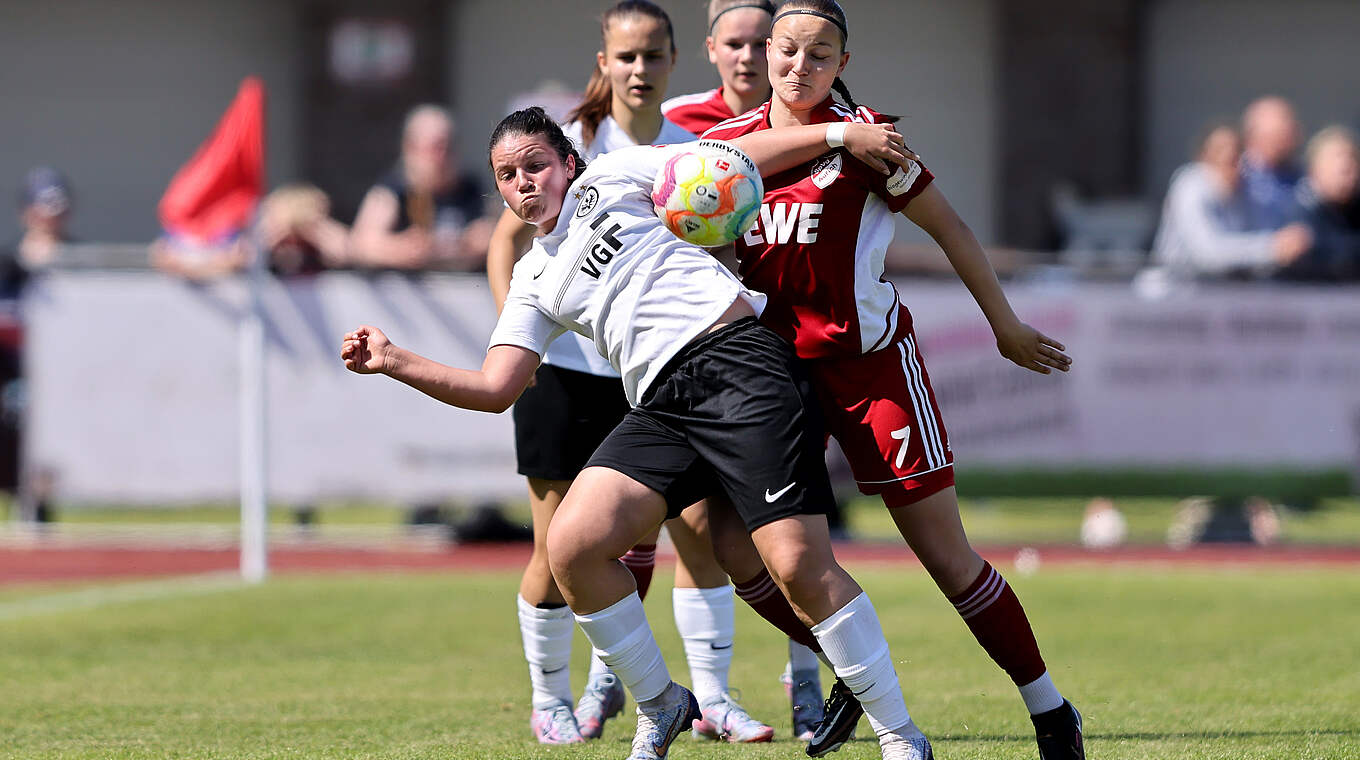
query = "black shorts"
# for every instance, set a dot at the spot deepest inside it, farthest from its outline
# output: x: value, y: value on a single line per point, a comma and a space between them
x: 562, y: 418
x: 733, y: 413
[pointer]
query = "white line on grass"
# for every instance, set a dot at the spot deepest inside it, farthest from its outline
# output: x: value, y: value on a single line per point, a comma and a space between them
x: 100, y: 596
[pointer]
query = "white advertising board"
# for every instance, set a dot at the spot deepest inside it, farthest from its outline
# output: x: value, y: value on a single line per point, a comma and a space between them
x: 133, y: 384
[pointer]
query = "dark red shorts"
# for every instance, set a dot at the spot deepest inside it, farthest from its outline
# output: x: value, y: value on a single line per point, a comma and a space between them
x: 881, y: 409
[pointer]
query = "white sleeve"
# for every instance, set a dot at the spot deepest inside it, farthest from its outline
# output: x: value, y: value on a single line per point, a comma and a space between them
x: 523, y: 324
x: 638, y: 163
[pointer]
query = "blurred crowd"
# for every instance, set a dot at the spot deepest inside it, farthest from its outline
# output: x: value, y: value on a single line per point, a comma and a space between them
x: 1247, y: 208
x: 1257, y: 201
x: 422, y: 214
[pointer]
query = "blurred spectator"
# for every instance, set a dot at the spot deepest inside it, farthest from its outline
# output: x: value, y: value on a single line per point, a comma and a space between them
x: 1263, y: 521
x: 1271, y: 136
x: 297, y: 230
x: 1329, y: 204
x: 1203, y: 520
x: 44, y: 208
x: 199, y: 261
x: 423, y: 213
x: 1209, y: 226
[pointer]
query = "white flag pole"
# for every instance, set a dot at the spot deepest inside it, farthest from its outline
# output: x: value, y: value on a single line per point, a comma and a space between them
x: 254, y: 473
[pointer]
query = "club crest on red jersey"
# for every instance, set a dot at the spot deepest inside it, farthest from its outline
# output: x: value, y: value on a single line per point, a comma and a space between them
x: 826, y: 170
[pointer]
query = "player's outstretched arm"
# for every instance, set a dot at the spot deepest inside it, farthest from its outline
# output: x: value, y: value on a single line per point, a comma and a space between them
x: 1016, y: 340
x: 503, y: 376
x: 774, y: 150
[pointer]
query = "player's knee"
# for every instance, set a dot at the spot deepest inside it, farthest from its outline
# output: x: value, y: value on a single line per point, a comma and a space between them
x: 567, y: 547
x: 952, y: 571
x: 739, y: 560
x: 802, y: 572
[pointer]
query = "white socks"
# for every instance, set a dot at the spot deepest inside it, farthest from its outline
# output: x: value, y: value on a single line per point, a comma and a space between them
x: 852, y: 640
x: 706, y: 619
x: 1041, y: 695
x: 547, y: 647
x: 623, y: 640
x: 597, y: 666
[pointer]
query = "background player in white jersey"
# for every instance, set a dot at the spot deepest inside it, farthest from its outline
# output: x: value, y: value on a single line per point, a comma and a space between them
x: 721, y: 409
x: 828, y: 295
x: 577, y: 399
x: 737, y: 32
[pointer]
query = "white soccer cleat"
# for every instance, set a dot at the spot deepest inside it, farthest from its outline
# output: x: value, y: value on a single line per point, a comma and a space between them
x: 657, y: 727
x: 601, y: 700
x: 555, y: 725
x: 723, y: 718
x: 913, y: 746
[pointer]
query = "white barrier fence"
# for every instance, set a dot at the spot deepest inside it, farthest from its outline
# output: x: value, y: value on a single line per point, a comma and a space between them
x: 133, y: 382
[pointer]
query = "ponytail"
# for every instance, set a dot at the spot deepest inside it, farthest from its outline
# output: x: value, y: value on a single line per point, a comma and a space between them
x: 598, y: 100
x: 595, y: 105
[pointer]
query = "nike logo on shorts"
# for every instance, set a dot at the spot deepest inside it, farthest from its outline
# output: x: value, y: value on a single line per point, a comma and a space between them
x: 770, y: 498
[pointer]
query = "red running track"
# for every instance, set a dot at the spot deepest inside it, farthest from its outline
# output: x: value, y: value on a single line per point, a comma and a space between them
x: 43, y: 564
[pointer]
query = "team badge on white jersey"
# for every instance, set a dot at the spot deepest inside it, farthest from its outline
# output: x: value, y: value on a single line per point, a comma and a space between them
x: 826, y: 170
x: 589, y: 198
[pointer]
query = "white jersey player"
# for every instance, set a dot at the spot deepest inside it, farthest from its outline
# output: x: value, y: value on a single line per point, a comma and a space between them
x: 720, y: 409
x: 577, y: 399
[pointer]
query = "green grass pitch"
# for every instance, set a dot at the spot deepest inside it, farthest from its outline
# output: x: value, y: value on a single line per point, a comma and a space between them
x: 1221, y: 663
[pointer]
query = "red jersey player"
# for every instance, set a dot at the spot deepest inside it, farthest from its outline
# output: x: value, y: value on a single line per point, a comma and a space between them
x: 817, y: 252
x: 737, y: 30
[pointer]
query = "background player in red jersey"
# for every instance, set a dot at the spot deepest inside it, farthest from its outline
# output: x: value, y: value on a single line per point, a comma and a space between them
x: 818, y: 251
x: 577, y: 399
x: 737, y: 30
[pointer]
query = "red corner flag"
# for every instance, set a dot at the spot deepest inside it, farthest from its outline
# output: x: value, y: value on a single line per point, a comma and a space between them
x: 213, y: 196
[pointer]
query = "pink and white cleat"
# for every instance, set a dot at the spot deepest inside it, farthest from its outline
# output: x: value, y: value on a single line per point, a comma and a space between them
x: 555, y: 725
x: 601, y: 700
x: 723, y: 719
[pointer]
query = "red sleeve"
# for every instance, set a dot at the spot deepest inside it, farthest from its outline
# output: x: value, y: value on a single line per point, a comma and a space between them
x: 688, y: 120
x: 898, y: 188
x: 724, y: 132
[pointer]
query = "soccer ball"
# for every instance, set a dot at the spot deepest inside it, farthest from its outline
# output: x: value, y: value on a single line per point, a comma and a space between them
x: 708, y: 194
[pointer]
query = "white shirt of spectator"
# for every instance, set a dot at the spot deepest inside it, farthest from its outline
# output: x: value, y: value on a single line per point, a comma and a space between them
x: 610, y: 271
x: 1203, y: 233
x: 574, y: 352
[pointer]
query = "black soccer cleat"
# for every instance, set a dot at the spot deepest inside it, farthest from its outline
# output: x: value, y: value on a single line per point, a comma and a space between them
x: 840, y: 714
x: 1058, y: 732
